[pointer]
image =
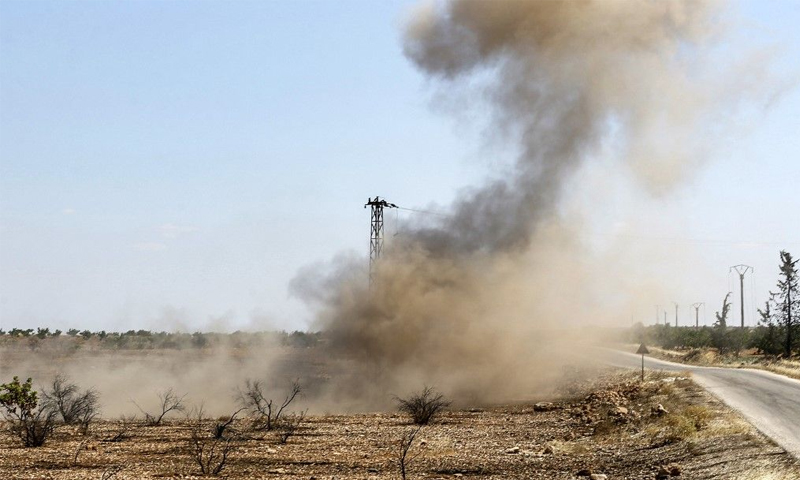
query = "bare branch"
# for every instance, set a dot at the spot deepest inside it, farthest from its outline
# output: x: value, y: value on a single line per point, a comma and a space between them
x: 403, y: 455
x: 169, y: 401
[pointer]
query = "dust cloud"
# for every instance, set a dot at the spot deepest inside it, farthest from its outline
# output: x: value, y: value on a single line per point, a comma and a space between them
x: 494, y: 300
x: 130, y: 380
x: 491, y: 301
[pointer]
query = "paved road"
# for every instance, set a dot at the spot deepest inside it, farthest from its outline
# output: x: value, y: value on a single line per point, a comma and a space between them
x: 771, y: 402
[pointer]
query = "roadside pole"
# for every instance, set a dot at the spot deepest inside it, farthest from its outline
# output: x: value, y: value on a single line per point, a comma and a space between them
x: 642, y: 350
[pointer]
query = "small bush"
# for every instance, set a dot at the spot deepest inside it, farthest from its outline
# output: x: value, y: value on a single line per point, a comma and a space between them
x: 678, y: 427
x: 266, y: 413
x: 699, y: 415
x: 75, y: 408
x: 224, y: 424
x: 403, y: 455
x: 28, y: 420
x: 289, y: 426
x: 122, y: 430
x: 423, y: 406
x: 210, y: 452
x: 169, y: 401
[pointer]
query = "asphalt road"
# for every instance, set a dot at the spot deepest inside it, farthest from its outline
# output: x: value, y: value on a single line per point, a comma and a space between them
x: 769, y: 401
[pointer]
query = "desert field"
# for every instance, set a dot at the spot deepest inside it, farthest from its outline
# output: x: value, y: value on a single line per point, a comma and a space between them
x: 597, y: 423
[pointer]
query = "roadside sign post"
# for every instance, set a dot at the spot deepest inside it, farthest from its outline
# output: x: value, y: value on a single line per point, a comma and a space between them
x: 642, y: 350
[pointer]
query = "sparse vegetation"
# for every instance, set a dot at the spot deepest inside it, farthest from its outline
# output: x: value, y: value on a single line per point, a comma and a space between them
x: 289, y: 426
x: 28, y: 420
x: 423, y: 406
x: 224, y: 423
x: 696, y: 432
x: 210, y: 451
x: 75, y: 407
x: 777, y: 336
x: 123, y: 428
x: 169, y: 401
x: 78, y: 451
x: 403, y: 454
x: 148, y: 340
x: 266, y: 414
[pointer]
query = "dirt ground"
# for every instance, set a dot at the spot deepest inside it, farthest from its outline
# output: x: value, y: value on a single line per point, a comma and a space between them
x: 611, y: 425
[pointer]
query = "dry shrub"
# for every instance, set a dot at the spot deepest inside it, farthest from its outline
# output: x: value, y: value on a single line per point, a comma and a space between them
x: 266, y: 413
x: 169, y: 401
x: 122, y: 430
x: 678, y: 427
x: 289, y: 425
x: 224, y: 424
x: 403, y: 455
x: 210, y: 452
x: 75, y: 407
x: 423, y: 406
x: 699, y: 414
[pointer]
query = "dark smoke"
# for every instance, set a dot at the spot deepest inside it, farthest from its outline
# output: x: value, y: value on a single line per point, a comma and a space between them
x: 465, y: 303
x: 563, y: 73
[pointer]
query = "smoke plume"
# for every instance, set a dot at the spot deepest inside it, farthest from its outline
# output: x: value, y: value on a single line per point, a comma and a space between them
x: 465, y: 302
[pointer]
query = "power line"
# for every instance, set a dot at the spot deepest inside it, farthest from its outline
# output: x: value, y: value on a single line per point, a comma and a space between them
x: 426, y: 212
x: 643, y: 237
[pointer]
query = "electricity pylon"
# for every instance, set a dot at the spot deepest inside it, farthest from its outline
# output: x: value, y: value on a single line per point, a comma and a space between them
x: 741, y: 270
x: 697, y: 314
x: 676, y: 313
x: 376, y: 232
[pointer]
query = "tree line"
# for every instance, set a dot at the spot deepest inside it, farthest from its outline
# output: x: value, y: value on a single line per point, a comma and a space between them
x: 777, y: 332
x: 146, y: 340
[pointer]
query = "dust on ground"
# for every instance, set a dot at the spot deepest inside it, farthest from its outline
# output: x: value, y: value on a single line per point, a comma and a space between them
x: 604, y: 423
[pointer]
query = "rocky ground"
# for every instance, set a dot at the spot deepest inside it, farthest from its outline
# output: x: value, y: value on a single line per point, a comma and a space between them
x: 612, y: 427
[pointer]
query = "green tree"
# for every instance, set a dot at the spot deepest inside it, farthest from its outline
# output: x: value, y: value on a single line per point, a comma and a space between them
x: 720, y: 335
x: 199, y: 340
x: 18, y: 332
x: 787, y: 300
x: 769, y: 332
x: 28, y: 420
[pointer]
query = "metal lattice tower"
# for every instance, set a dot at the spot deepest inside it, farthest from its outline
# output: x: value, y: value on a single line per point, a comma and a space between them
x: 741, y: 270
x: 376, y: 232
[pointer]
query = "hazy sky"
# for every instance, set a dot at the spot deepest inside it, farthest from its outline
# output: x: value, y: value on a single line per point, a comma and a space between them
x: 174, y: 164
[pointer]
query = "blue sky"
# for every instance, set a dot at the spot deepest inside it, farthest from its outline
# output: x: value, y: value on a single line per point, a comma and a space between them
x: 173, y: 164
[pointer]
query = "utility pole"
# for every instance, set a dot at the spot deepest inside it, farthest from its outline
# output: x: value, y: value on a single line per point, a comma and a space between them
x: 665, y: 317
x: 741, y: 270
x: 697, y: 314
x: 676, y: 314
x: 376, y: 233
